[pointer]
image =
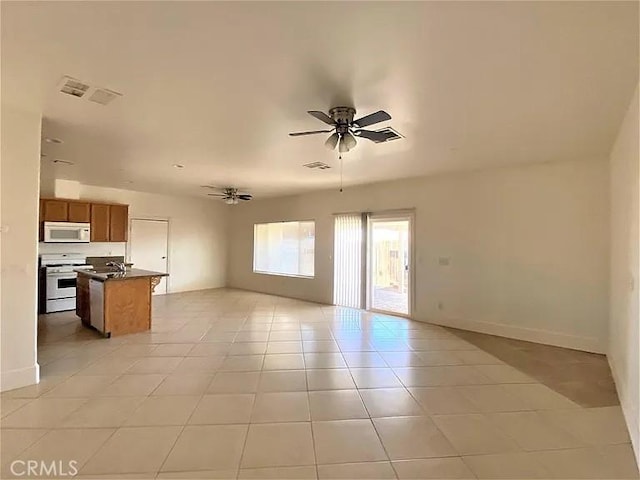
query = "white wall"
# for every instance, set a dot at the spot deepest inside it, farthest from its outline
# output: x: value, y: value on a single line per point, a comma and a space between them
x: 528, y: 247
x: 624, y: 334
x: 19, y: 173
x: 197, y: 234
x: 92, y: 249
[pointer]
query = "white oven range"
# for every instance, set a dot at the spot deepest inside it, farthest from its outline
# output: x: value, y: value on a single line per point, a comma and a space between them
x: 60, y: 279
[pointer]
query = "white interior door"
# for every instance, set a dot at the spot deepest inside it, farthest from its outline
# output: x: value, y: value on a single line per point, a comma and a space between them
x: 149, y: 242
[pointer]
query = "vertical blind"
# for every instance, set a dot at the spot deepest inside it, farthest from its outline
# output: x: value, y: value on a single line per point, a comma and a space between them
x: 347, y: 258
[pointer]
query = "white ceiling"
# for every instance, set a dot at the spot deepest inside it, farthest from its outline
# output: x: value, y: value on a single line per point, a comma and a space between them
x: 217, y: 86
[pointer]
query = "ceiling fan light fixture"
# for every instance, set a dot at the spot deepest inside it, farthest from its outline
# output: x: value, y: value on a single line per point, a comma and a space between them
x: 332, y: 141
x: 228, y: 201
x: 349, y: 140
x: 235, y: 201
x: 343, y: 147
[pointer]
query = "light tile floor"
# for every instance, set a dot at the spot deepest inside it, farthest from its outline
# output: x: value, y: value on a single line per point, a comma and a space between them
x: 232, y: 384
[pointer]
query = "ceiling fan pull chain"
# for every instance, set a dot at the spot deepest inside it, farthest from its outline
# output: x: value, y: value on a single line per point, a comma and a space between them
x: 340, y: 158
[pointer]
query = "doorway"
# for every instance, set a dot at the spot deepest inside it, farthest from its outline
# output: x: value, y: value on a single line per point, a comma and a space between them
x: 373, y: 261
x: 149, y: 246
x: 389, y: 285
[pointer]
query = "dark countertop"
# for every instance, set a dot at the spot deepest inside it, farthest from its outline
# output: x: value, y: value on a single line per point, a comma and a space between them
x: 104, y: 275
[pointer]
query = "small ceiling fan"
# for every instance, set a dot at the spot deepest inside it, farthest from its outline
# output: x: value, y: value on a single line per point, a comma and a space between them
x: 230, y: 195
x: 345, y: 129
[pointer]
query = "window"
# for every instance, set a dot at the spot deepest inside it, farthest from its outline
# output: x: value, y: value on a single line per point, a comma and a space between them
x: 284, y: 248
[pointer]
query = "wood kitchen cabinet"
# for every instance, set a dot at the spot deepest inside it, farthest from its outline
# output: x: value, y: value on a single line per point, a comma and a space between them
x: 116, y: 303
x: 82, y: 298
x: 100, y: 222
x: 65, y: 211
x: 79, y: 212
x: 109, y: 222
x: 55, y: 210
x: 118, y: 223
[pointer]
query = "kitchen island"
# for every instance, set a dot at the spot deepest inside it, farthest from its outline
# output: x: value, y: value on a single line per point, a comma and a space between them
x: 116, y: 302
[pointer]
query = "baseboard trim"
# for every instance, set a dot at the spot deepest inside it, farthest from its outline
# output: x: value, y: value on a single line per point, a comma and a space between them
x: 557, y: 339
x: 21, y: 377
x: 630, y: 415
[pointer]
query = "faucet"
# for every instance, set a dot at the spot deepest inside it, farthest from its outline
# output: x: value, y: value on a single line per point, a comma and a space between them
x: 120, y: 266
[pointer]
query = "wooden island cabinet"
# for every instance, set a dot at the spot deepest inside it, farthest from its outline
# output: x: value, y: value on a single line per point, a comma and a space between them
x: 109, y: 221
x: 116, y: 303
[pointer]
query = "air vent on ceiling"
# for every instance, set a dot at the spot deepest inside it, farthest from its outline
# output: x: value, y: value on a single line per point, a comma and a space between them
x: 104, y: 96
x: 318, y: 165
x: 73, y: 87
x: 390, y: 133
x: 76, y: 88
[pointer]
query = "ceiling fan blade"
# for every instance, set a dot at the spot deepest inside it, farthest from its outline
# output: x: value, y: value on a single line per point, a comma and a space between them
x: 323, y: 117
x: 377, y: 117
x: 312, y: 132
x: 221, y: 190
x: 217, y: 194
x: 245, y: 197
x: 371, y: 135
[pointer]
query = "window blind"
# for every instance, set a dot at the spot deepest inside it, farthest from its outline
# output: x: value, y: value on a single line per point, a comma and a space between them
x: 284, y: 248
x: 347, y: 257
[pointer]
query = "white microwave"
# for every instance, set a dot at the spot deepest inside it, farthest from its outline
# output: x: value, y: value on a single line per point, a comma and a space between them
x: 66, y: 232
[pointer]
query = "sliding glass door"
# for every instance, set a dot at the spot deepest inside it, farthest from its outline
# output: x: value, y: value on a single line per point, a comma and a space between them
x: 389, y: 264
x: 372, y: 262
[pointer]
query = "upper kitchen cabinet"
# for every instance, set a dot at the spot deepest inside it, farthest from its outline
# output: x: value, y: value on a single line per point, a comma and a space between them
x: 54, y: 210
x: 118, y: 223
x: 109, y: 222
x: 100, y: 222
x: 79, y: 212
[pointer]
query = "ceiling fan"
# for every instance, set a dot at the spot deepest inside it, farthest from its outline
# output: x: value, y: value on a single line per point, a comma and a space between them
x: 345, y: 129
x: 230, y: 195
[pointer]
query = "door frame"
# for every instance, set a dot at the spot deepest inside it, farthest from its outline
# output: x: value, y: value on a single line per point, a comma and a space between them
x: 371, y: 217
x: 130, y: 236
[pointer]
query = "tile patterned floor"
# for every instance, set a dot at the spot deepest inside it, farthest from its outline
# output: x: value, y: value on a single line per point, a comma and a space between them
x: 583, y: 377
x: 233, y: 384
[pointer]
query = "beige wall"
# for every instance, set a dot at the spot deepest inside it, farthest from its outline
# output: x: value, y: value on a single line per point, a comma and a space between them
x: 197, y: 234
x: 528, y: 247
x: 624, y: 334
x: 19, y: 172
